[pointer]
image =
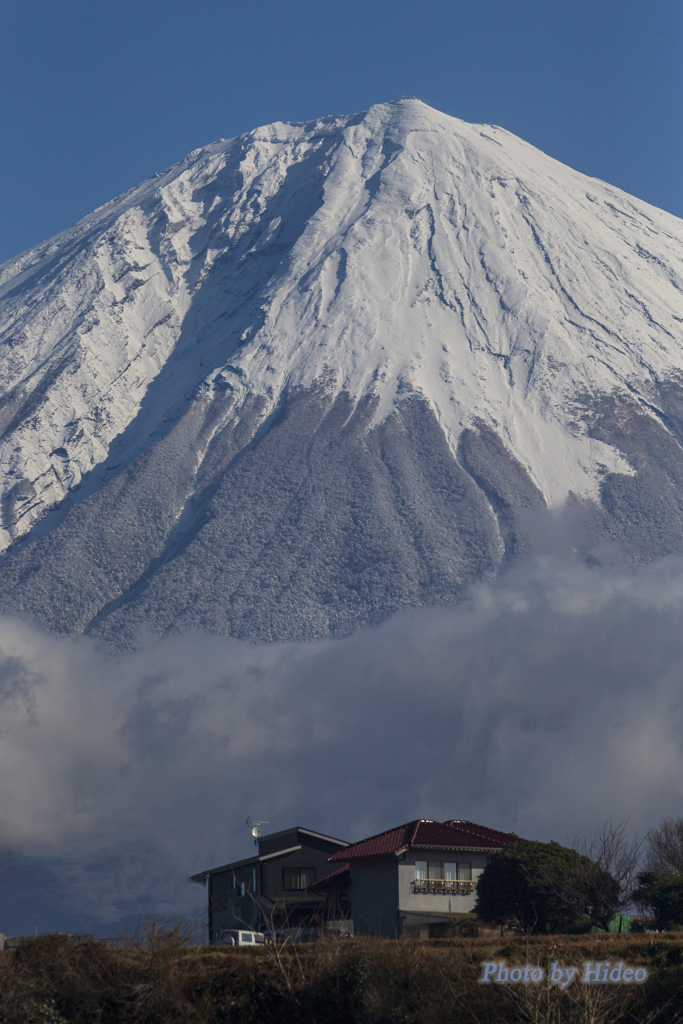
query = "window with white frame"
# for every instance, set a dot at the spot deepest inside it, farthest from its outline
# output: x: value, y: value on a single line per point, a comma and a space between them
x: 451, y: 871
x: 443, y: 876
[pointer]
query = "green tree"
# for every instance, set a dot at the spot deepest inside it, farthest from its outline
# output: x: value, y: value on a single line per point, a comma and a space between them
x: 662, y: 895
x: 542, y: 887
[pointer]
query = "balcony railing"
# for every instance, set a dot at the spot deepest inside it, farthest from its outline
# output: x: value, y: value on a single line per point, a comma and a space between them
x: 442, y: 886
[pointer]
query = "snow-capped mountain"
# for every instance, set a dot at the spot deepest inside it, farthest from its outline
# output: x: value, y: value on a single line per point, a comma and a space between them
x: 318, y: 372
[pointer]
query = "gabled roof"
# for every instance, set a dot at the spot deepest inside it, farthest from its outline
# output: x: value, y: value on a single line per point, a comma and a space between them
x: 427, y: 834
x: 265, y: 841
x: 305, y: 831
x: 334, y: 880
x: 202, y: 876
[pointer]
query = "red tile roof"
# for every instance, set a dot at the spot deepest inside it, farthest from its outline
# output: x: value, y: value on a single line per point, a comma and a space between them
x: 427, y: 834
x: 334, y: 879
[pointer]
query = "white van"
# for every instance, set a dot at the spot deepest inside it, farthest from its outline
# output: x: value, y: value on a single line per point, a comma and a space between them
x: 292, y: 936
x: 235, y: 937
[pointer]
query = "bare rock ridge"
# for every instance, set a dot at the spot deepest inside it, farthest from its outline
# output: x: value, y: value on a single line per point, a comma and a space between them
x: 323, y: 371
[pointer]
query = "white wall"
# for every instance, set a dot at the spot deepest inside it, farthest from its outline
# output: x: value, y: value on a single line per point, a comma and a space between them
x: 434, y: 902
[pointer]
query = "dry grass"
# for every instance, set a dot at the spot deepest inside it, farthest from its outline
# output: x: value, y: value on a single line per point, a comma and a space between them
x: 158, y: 978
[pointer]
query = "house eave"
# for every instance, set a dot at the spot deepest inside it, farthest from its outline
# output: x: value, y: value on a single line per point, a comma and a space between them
x: 459, y: 849
x: 307, y: 832
x: 201, y: 876
x: 415, y: 846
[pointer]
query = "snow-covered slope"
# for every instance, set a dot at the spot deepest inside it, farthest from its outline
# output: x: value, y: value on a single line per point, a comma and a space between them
x: 366, y: 267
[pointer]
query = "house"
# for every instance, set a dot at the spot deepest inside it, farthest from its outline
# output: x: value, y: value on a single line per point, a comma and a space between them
x: 273, y: 888
x: 417, y: 879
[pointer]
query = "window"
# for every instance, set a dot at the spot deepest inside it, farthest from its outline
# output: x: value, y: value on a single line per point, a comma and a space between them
x: 449, y: 872
x: 444, y: 877
x: 253, y: 879
x: 297, y: 878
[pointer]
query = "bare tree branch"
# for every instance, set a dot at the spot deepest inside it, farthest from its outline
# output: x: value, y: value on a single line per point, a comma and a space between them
x: 665, y: 847
x: 611, y: 847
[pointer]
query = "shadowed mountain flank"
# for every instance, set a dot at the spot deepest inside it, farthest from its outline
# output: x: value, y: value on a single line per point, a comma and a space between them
x: 311, y: 522
x: 505, y: 482
x: 643, y: 512
x: 317, y: 526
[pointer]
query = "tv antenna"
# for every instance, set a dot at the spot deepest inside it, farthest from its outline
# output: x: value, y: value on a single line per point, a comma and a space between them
x: 255, y: 830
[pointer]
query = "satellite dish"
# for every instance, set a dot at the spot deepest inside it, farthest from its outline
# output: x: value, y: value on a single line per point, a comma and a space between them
x: 255, y: 830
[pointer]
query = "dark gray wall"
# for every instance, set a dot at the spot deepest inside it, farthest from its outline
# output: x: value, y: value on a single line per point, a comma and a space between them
x: 230, y: 910
x: 374, y: 896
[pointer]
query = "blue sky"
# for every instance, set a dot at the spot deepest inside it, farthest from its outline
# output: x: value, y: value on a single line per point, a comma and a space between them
x: 97, y: 95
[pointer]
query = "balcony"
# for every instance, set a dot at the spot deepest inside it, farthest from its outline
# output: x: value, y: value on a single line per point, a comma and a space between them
x: 442, y: 886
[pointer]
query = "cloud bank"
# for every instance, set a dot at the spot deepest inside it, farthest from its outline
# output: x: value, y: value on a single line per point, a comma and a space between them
x: 550, y: 702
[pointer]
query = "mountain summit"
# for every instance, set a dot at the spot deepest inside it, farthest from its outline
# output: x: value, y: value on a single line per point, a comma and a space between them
x: 322, y: 371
